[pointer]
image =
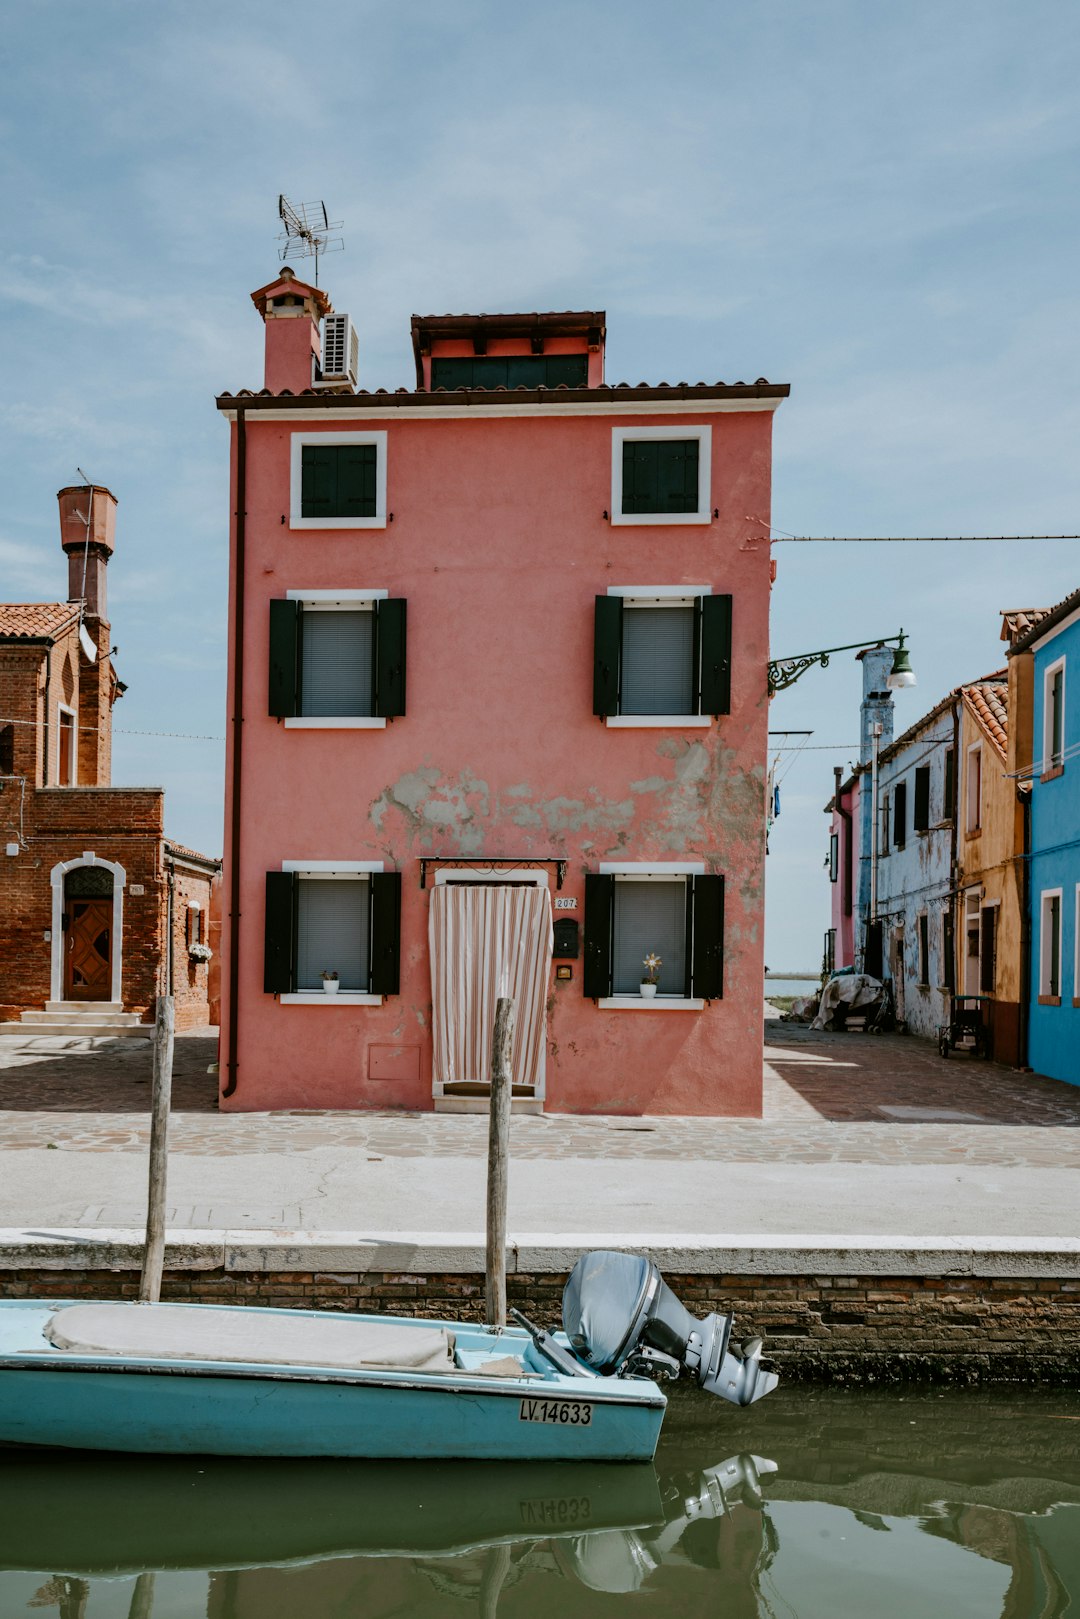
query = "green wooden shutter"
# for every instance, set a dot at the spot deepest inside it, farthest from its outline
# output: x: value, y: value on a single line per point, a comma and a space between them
x: 389, y: 658
x: 279, y: 948
x: 318, y: 480
x: 599, y: 906
x: 707, y: 898
x: 355, y: 480
x: 639, y: 475
x: 677, y: 475
x: 284, y: 624
x: 899, y: 826
x: 607, y: 649
x: 715, y: 661
x: 921, y: 814
x: 385, y: 932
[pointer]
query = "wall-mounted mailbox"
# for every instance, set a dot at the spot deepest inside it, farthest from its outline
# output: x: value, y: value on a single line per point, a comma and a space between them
x: 566, y: 939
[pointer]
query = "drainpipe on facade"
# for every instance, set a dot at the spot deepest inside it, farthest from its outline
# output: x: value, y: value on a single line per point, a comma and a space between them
x: 238, y: 732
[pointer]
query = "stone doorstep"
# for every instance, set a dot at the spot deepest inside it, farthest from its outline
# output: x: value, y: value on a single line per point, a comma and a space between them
x: 453, y: 1253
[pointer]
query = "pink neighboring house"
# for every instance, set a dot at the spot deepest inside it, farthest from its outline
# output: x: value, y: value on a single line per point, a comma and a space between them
x: 498, y: 723
x: 843, y: 871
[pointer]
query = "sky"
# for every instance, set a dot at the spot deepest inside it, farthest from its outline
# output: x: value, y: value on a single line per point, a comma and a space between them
x: 877, y: 205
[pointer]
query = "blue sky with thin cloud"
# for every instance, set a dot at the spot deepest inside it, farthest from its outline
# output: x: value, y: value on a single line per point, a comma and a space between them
x: 875, y: 204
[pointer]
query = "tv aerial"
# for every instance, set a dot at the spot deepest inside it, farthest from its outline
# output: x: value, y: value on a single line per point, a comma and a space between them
x: 308, y: 231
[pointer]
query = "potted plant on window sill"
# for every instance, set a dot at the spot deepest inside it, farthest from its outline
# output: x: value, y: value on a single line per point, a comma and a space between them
x: 200, y: 952
x: 652, y: 965
x: 330, y: 983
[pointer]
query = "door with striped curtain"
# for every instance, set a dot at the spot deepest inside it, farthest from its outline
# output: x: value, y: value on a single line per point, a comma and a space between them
x: 488, y: 940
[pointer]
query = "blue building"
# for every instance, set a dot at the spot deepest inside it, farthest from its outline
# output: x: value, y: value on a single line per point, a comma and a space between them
x: 1053, y: 910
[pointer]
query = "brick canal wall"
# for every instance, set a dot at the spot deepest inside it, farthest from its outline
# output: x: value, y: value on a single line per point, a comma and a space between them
x: 818, y: 1328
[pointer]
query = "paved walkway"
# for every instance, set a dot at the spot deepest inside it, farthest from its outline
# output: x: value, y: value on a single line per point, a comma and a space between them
x: 861, y: 1134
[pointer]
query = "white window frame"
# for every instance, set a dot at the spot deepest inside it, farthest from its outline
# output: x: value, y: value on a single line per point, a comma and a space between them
x: 973, y: 809
x: 1048, y: 760
x: 296, y: 507
x: 621, y: 435
x: 315, y: 870
x: 654, y: 871
x: 65, y: 708
x: 1045, y: 953
x: 658, y: 596
x: 335, y: 601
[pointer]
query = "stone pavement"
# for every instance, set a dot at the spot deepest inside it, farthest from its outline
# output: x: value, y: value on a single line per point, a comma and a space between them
x: 862, y: 1134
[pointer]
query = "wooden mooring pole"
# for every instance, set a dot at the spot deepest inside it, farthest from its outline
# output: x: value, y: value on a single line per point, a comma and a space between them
x: 498, y: 1162
x: 160, y: 1100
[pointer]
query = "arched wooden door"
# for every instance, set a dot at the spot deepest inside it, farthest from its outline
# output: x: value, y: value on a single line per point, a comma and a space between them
x: 88, y: 941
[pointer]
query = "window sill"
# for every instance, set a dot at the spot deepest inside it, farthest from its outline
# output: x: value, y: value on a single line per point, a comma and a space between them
x: 973, y: 832
x: 333, y: 523
x: 318, y: 997
x: 627, y: 722
x: 1053, y: 773
x: 658, y: 519
x: 660, y: 1003
x: 334, y: 722
x: 1049, y: 1000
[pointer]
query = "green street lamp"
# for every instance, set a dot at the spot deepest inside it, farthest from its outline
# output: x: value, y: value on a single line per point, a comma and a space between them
x: 784, y: 672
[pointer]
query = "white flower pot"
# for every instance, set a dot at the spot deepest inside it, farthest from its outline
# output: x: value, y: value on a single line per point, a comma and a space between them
x: 331, y: 986
x: 648, y: 991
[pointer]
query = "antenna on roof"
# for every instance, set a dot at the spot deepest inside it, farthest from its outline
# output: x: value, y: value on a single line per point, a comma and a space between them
x: 308, y: 231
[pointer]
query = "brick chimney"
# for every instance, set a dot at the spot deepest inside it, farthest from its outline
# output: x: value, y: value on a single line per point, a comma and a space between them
x: 87, y: 534
x: 292, y: 312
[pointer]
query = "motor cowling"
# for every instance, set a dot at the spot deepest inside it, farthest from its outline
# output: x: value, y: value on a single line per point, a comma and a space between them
x: 621, y: 1317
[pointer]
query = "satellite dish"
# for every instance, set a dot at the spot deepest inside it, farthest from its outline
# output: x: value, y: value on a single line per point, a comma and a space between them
x: 309, y: 231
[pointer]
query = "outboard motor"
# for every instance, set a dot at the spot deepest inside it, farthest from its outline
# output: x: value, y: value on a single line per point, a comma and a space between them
x: 622, y: 1318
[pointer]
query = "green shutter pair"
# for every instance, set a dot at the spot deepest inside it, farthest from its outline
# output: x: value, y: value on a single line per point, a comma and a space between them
x: 388, y: 658
x: 712, y: 643
x: 660, y: 475
x: 279, y: 946
x: 921, y: 813
x: 705, y: 905
x: 338, y: 480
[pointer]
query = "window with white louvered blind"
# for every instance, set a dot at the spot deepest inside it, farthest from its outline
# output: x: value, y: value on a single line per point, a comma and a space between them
x: 335, y: 662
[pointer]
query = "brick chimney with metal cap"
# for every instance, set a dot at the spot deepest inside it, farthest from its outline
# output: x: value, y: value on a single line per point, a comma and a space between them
x: 87, y: 534
x: 292, y: 312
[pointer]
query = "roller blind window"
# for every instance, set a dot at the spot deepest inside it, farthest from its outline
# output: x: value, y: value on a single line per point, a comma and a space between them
x: 658, y: 660
x: 332, y: 930
x: 650, y: 919
x: 336, y: 663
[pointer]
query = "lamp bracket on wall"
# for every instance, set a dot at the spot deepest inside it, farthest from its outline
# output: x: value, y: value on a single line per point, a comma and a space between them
x: 487, y: 864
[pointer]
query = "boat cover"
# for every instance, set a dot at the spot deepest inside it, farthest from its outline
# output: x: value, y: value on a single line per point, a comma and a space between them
x: 179, y: 1332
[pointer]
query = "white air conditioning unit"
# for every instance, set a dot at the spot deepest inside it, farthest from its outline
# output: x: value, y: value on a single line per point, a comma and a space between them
x: 340, y: 353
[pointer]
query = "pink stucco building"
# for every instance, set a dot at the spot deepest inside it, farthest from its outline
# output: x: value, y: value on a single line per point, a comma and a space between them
x: 498, y: 718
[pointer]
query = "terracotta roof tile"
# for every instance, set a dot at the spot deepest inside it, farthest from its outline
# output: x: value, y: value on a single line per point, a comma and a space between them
x: 988, y: 701
x: 32, y: 619
x: 1018, y: 620
x: 182, y: 851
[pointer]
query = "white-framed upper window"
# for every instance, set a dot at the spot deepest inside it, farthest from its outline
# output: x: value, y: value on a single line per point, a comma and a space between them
x: 1053, y: 749
x: 338, y: 480
x: 662, y: 655
x: 1050, y: 944
x: 67, y: 746
x: 335, y: 658
x: 661, y: 475
x: 973, y: 788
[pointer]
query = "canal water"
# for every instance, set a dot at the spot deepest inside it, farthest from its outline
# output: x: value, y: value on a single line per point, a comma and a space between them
x: 812, y: 1505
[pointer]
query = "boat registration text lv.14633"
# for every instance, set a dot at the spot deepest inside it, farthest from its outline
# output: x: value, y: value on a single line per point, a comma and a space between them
x: 566, y: 1413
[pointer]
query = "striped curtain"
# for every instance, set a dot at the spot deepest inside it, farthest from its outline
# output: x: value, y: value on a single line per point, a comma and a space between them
x: 486, y: 942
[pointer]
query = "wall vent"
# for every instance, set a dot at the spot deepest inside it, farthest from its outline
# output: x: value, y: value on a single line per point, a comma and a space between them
x: 341, y: 353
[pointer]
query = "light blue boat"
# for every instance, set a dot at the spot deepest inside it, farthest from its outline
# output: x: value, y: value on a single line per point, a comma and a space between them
x: 237, y: 1381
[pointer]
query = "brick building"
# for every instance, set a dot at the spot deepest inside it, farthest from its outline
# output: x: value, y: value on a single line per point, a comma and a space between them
x: 99, y: 911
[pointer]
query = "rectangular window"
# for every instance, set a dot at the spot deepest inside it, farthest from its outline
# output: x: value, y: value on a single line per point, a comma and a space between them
x: 661, y: 475
x: 511, y: 371
x: 834, y: 856
x: 1054, y: 717
x: 337, y: 659
x: 1050, y: 948
x: 973, y: 821
x: 924, y: 950
x: 66, y: 748
x: 340, y: 918
x: 676, y: 915
x: 338, y: 480
x: 988, y: 951
x: 948, y: 802
x: 7, y: 750
x: 195, y: 934
x: 886, y: 824
x: 900, y: 815
x: 920, y: 820
x: 662, y: 656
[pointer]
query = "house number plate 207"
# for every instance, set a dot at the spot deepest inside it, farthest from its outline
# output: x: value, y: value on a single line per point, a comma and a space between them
x: 567, y: 1413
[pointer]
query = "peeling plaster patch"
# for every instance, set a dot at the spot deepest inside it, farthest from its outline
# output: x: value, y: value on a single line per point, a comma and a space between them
x: 440, y: 812
x: 522, y: 790
x: 525, y: 815
x: 426, y: 800
x: 651, y: 784
x: 572, y: 815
